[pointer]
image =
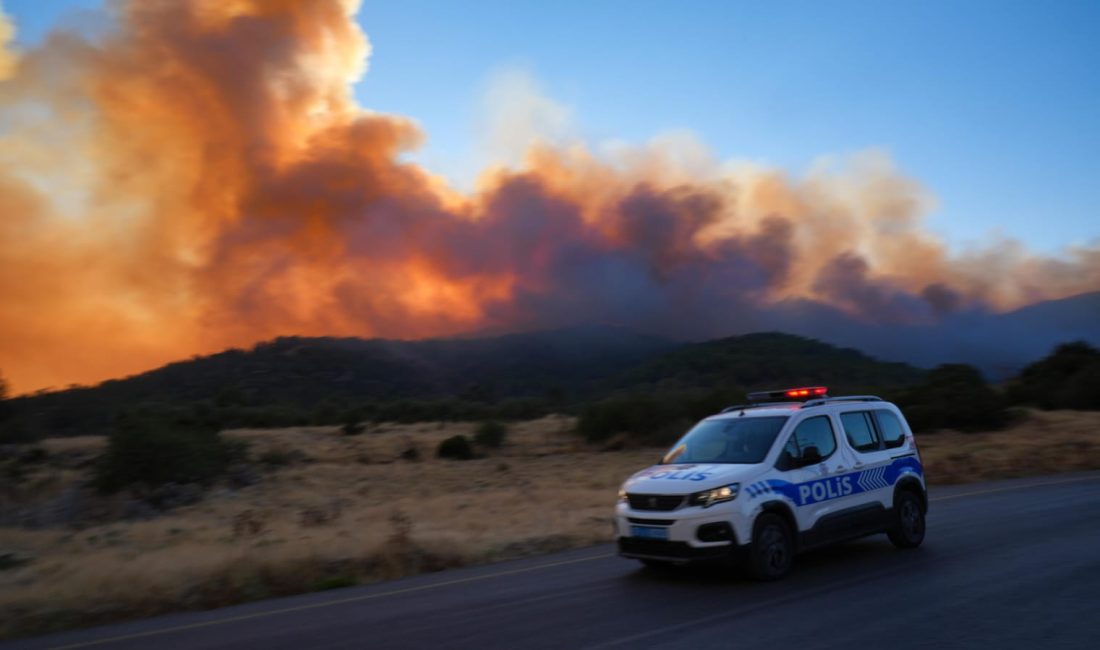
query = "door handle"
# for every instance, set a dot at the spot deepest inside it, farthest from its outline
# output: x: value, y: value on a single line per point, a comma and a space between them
x: 841, y: 468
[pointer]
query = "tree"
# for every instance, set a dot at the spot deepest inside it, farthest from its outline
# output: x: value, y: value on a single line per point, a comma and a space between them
x: 954, y: 396
x: 154, y: 450
x: 1069, y: 378
x: 5, y: 405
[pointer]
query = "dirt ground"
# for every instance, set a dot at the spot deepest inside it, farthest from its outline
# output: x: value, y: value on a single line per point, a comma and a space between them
x: 332, y: 510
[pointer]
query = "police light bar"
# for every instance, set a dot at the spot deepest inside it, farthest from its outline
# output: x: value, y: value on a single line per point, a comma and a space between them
x: 789, y: 393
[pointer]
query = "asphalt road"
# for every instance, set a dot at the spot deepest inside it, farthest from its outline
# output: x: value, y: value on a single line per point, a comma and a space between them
x: 1011, y: 564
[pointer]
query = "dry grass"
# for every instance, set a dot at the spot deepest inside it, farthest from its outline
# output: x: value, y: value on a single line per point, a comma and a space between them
x: 351, y: 510
x: 1040, y: 443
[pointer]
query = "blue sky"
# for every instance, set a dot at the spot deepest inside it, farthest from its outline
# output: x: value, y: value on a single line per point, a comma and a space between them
x: 993, y: 106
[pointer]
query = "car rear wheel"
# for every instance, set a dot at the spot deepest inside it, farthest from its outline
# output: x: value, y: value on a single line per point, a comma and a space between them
x: 772, y: 550
x: 908, y: 528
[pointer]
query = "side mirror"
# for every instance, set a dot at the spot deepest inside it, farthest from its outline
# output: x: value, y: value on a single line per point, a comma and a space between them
x: 810, y: 456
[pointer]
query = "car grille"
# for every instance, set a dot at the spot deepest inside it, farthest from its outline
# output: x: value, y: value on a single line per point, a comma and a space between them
x: 659, y: 502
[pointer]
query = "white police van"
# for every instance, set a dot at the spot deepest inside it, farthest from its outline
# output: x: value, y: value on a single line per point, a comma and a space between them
x: 763, y: 481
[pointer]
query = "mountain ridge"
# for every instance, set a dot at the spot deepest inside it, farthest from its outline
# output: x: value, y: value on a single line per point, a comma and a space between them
x: 562, y: 366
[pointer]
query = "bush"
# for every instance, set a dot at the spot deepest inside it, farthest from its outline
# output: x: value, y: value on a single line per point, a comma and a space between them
x: 490, y: 434
x: 456, y: 448
x: 652, y: 418
x: 1067, y: 379
x: 954, y: 396
x: 155, y: 452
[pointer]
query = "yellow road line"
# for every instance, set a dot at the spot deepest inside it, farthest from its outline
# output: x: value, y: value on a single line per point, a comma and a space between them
x: 327, y: 603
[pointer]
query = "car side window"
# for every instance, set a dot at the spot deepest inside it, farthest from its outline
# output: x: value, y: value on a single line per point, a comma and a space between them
x: 788, y: 458
x: 893, y: 435
x: 816, y: 432
x: 859, y: 430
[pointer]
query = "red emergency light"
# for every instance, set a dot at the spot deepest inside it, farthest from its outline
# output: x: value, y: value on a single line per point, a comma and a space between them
x: 789, y: 393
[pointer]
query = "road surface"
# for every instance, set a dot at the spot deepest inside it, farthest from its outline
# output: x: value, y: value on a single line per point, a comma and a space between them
x: 1010, y: 564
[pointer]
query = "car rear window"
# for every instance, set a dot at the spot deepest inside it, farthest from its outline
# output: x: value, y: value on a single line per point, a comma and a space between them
x: 859, y: 430
x: 893, y: 434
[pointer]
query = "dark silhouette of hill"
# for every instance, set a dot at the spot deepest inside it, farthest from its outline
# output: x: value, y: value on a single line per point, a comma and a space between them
x: 318, y: 380
x: 999, y: 344
x: 298, y: 374
x: 764, y: 360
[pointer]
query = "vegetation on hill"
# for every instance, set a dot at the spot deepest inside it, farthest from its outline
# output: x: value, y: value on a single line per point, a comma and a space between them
x: 617, y: 382
x: 657, y: 401
x: 759, y: 361
x: 954, y: 396
x: 1067, y: 379
x: 295, y: 381
x: 152, y: 451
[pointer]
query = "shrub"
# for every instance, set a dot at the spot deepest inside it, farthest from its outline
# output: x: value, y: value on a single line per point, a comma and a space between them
x: 654, y: 419
x: 1069, y: 378
x: 155, y: 452
x: 490, y: 434
x: 5, y: 408
x: 456, y: 447
x: 954, y: 396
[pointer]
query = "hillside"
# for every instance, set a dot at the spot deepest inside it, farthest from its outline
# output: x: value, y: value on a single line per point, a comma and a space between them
x: 295, y: 381
x: 288, y: 380
x: 766, y: 360
x: 999, y: 344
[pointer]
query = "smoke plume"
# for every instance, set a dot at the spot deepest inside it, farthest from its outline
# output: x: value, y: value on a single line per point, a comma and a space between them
x: 198, y: 175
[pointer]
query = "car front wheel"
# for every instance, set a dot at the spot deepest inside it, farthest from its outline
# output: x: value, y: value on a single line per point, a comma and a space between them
x: 772, y: 550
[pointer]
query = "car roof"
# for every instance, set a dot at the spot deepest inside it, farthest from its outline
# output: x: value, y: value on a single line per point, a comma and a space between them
x: 750, y: 411
x: 790, y: 408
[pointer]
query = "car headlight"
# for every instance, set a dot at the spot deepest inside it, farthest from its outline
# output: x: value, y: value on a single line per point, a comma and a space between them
x: 622, y: 495
x: 708, y: 498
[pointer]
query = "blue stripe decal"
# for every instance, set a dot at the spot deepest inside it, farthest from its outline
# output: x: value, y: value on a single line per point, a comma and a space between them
x: 834, y: 487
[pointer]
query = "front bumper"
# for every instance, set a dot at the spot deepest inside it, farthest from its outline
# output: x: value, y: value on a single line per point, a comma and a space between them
x: 692, y: 534
x: 677, y: 552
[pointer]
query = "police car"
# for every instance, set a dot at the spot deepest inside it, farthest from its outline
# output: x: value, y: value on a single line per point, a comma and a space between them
x: 792, y: 470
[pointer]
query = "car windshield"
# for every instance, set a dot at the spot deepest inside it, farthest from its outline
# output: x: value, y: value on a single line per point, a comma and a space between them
x: 729, y: 440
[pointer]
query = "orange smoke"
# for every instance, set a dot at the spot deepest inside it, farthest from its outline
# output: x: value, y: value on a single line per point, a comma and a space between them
x: 201, y: 177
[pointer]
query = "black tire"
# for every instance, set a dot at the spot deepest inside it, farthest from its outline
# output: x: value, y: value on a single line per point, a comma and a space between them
x: 772, y: 551
x: 908, y: 529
